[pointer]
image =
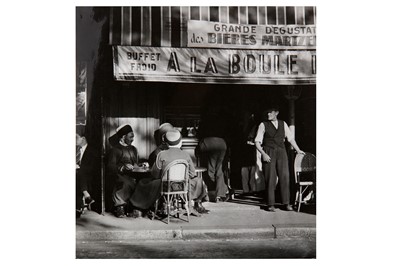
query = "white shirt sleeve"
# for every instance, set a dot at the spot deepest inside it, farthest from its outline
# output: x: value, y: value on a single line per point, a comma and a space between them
x: 288, y: 133
x: 260, y: 133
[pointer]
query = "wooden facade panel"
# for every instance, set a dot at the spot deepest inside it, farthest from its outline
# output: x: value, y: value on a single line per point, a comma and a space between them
x: 271, y: 15
x: 223, y: 14
x: 126, y: 26
x: 309, y: 15
x: 290, y: 15
x: 136, y: 27
x: 262, y: 17
x: 166, y: 27
x: 204, y: 13
x: 252, y: 15
x: 146, y: 26
x: 281, y: 15
x: 299, y: 15
x: 156, y: 26
x: 233, y: 15
x: 243, y: 15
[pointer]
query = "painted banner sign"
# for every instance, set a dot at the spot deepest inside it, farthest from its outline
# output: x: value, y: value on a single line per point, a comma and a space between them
x: 207, y: 34
x: 138, y: 63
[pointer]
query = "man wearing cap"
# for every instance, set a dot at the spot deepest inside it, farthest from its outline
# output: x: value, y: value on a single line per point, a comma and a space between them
x: 269, y: 142
x: 198, y: 190
x: 159, y: 135
x: 123, y: 158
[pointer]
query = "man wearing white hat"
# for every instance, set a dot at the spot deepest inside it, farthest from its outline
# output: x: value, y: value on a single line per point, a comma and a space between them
x: 123, y: 158
x: 159, y: 136
x: 198, y: 190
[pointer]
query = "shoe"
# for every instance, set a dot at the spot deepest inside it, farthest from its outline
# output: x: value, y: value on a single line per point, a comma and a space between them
x: 78, y: 213
x: 87, y: 202
x: 231, y: 193
x: 218, y: 199
x: 119, y: 211
x: 288, y: 208
x: 271, y: 208
x: 194, y: 212
x: 149, y: 214
x: 200, y: 209
x: 203, y: 209
x: 225, y: 199
x: 136, y: 213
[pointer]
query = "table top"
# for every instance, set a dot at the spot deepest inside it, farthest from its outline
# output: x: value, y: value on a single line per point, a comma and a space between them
x: 141, y: 170
x: 200, y: 169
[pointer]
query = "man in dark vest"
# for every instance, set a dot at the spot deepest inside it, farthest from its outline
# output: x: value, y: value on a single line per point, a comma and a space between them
x: 270, y: 142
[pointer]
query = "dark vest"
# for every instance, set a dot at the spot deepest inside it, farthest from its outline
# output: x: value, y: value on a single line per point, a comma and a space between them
x: 273, y: 137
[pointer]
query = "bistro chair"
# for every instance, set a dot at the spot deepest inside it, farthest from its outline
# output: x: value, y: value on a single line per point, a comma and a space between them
x: 305, y: 176
x: 175, y: 189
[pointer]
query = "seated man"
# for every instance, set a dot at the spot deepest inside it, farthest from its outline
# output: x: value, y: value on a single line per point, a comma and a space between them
x: 85, y: 163
x: 123, y: 158
x: 198, y: 189
x: 159, y: 136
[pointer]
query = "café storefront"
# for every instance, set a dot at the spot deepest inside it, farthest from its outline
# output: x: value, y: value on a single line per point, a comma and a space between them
x: 150, y: 65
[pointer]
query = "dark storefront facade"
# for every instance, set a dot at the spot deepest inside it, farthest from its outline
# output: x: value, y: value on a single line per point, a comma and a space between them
x: 144, y: 66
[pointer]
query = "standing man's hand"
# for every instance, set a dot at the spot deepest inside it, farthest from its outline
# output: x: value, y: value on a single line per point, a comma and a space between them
x: 266, y: 158
x: 301, y: 152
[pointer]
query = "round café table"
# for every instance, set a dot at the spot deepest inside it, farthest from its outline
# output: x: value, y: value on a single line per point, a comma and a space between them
x: 199, y: 171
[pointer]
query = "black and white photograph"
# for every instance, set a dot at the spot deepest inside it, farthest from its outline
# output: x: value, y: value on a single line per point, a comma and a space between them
x: 200, y: 133
x: 190, y: 132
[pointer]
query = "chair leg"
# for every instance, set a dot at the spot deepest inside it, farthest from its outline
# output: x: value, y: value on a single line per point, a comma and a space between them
x: 176, y: 205
x: 300, y: 198
x: 168, y: 208
x: 187, y: 206
x: 155, y: 209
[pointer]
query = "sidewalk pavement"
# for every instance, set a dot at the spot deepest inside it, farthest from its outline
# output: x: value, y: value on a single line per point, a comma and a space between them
x: 237, y: 219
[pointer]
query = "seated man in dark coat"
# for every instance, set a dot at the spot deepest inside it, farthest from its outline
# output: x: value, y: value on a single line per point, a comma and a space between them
x: 148, y: 190
x: 123, y: 159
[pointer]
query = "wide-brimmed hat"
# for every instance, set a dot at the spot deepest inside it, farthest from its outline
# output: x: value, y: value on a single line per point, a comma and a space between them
x: 173, y: 137
x: 160, y: 132
x: 164, y: 128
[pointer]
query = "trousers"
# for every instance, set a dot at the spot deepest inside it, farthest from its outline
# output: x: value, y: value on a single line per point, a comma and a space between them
x: 278, y: 167
x: 123, y: 190
x: 215, y: 148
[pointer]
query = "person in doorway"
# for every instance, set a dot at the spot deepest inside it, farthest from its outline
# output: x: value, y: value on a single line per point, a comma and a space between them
x: 248, y: 155
x: 159, y: 136
x: 85, y: 163
x: 269, y: 142
x: 122, y: 161
x: 212, y: 146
